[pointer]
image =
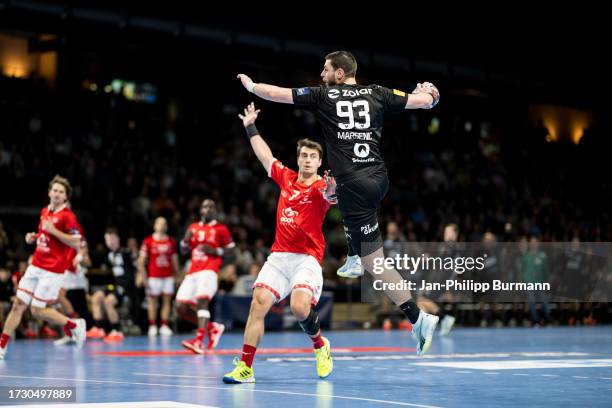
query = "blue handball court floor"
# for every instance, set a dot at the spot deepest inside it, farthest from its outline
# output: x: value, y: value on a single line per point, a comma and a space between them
x: 509, y: 367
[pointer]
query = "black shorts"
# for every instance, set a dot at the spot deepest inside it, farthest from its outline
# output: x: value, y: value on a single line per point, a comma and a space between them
x: 358, y: 200
x: 110, y: 289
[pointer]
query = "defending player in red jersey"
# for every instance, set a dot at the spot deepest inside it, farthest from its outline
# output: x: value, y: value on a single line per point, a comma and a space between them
x: 294, y: 267
x: 207, y: 241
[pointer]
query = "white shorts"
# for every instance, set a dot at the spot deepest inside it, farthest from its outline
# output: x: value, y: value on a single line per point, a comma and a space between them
x: 284, y: 272
x: 75, y: 280
x: 39, y: 287
x: 197, y: 285
x: 160, y: 286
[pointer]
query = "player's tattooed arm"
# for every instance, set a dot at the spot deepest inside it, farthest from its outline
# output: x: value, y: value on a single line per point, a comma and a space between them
x: 259, y: 145
x: 268, y: 92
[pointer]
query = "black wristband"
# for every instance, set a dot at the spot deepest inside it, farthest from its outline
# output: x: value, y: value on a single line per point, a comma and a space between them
x: 251, y: 131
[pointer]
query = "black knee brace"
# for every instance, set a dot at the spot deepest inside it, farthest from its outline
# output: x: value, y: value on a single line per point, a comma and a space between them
x: 311, y: 324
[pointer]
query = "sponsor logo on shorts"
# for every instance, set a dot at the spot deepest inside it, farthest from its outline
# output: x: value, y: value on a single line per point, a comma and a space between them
x: 366, y: 229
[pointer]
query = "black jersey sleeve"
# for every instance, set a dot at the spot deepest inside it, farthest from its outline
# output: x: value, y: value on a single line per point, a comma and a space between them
x: 307, y: 97
x: 394, y: 100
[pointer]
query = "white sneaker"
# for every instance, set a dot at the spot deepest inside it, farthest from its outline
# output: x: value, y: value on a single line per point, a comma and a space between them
x: 214, y: 335
x: 2, y: 352
x: 352, y: 268
x: 165, y: 331
x: 152, y: 331
x: 79, y: 333
x: 423, y: 331
x: 446, y: 324
x: 64, y: 341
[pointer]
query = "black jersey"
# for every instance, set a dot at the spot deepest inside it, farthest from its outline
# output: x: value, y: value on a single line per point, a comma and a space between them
x: 352, y: 119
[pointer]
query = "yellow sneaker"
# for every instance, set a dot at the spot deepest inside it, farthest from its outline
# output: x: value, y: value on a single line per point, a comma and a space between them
x: 325, y: 364
x: 240, y: 374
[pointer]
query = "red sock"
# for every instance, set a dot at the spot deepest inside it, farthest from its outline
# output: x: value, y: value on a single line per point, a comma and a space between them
x: 4, y: 339
x: 317, y: 341
x: 164, y: 322
x: 210, y: 326
x: 200, y: 334
x: 151, y: 323
x: 68, y: 327
x: 248, y: 353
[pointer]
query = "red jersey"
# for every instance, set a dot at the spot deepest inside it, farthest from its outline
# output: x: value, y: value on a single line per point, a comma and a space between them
x: 159, y: 254
x: 216, y: 235
x: 72, y: 253
x: 299, y: 215
x: 51, y: 254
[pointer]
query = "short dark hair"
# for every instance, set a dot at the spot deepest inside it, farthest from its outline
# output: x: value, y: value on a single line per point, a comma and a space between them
x: 311, y: 144
x: 112, y: 231
x: 344, y: 60
x: 64, y: 182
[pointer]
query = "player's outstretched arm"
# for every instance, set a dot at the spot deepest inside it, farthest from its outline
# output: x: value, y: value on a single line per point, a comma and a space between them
x: 260, y: 147
x: 268, y: 92
x: 424, y: 96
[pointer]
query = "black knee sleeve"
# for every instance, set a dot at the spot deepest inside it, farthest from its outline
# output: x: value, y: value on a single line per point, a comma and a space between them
x: 311, y: 324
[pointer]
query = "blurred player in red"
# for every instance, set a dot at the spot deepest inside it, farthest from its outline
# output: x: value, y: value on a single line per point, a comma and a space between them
x: 57, y: 233
x: 294, y: 267
x: 158, y: 251
x: 72, y: 296
x: 208, y: 241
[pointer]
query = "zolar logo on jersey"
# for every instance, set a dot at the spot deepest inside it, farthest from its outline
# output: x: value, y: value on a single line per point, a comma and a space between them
x: 348, y: 93
x: 288, y: 215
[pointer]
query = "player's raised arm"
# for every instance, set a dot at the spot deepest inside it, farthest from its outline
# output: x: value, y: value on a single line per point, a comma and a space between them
x: 424, y: 96
x: 260, y: 147
x: 268, y: 92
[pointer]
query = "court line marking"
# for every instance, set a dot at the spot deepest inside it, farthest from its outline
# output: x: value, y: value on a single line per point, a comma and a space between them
x: 523, y: 375
x: 520, y: 364
x: 174, y: 375
x: 134, y: 404
x: 227, y: 388
x: 430, y: 356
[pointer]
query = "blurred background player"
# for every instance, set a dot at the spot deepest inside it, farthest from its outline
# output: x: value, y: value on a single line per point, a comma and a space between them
x: 57, y: 233
x: 208, y: 241
x: 352, y: 116
x: 294, y: 267
x: 73, y: 296
x: 158, y: 251
x: 110, y: 289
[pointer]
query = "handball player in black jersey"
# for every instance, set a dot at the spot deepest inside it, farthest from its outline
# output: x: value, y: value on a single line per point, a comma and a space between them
x: 352, y: 117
